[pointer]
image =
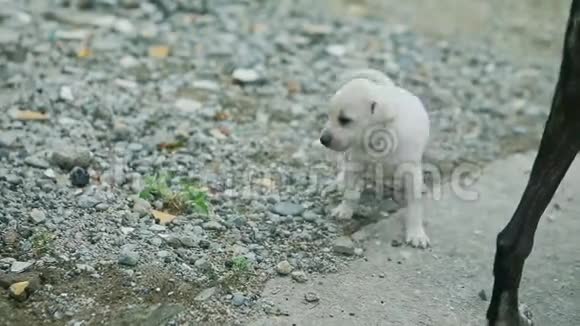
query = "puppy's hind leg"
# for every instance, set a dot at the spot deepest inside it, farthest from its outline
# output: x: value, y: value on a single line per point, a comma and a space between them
x: 410, y: 176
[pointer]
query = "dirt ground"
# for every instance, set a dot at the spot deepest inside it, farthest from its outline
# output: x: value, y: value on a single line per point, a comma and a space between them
x: 527, y: 30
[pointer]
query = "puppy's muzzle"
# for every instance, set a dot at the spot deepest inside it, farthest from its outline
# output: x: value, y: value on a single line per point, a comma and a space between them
x: 326, y: 138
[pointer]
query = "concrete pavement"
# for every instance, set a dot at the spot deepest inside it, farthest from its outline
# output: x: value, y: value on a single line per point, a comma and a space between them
x: 441, y: 286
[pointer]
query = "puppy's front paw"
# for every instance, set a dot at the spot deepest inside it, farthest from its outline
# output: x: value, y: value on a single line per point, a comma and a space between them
x: 417, y: 238
x: 342, y: 212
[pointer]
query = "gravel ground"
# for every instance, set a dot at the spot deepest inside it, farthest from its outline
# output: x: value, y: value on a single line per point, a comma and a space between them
x: 100, y: 96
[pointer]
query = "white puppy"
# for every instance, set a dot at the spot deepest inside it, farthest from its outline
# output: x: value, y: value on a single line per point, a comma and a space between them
x: 374, y: 123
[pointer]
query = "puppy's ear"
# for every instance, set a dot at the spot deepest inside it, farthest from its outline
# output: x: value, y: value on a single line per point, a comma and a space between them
x: 382, y: 112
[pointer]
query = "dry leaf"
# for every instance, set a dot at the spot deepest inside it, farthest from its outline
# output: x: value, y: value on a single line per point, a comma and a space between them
x: 221, y: 116
x: 267, y: 183
x: 217, y: 134
x: 357, y: 10
x: 171, y: 146
x: 220, y: 132
x: 85, y: 48
x: 162, y: 217
x: 317, y: 29
x: 225, y: 130
x: 84, y: 53
x: 26, y: 115
x: 259, y: 28
x: 159, y: 51
x: 293, y: 86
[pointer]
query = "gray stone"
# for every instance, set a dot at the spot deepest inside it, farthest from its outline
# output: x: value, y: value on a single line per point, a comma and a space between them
x: 203, y: 264
x: 157, y: 228
x: 101, y: 207
x: 121, y: 131
x: 127, y: 230
x: 8, y: 138
x: 173, y: 241
x: 148, y: 315
x: 8, y: 37
x: 206, y: 85
x: 85, y: 268
x: 163, y: 254
x: 244, y: 75
x: 287, y: 209
x: 213, y: 225
x: 238, y: 299
x: 310, y: 216
x: 135, y: 147
x: 156, y: 242
x: 284, y: 268
x: 188, y: 241
x: 88, y: 201
x: 142, y: 207
x: 13, y: 179
x: 343, y: 245
x: 187, y: 105
x: 68, y: 157
x: 66, y: 94
x: 114, y: 176
x: 37, y: 216
x: 205, y: 294
x: 37, y: 161
x: 482, y: 295
x: 129, y: 258
x: 7, y: 261
x: 311, y: 297
x: 336, y: 50
x: 19, y: 266
x: 299, y: 276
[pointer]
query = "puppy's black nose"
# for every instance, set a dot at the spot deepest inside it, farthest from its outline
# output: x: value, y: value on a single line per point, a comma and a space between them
x: 325, y: 139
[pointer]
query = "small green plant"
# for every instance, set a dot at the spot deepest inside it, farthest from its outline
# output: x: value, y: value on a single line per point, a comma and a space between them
x: 156, y: 187
x: 190, y: 196
x: 197, y: 198
x: 240, y: 275
x: 241, y: 264
x: 42, y: 243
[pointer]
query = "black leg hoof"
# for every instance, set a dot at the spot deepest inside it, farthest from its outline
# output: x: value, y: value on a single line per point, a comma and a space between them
x: 523, y: 317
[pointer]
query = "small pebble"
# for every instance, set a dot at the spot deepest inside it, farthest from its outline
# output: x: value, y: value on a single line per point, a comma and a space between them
x: 128, y: 258
x: 205, y: 294
x: 311, y: 297
x: 344, y: 245
x: 299, y: 276
x: 482, y: 295
x: 284, y: 268
x: 79, y: 177
x: 287, y: 209
x: 213, y: 225
x: 141, y: 207
x: 245, y: 76
x: 396, y: 243
x: 19, y: 267
x: 37, y: 216
x: 336, y: 50
x: 238, y: 299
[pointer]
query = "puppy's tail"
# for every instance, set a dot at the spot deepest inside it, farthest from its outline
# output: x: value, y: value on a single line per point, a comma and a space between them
x: 373, y: 75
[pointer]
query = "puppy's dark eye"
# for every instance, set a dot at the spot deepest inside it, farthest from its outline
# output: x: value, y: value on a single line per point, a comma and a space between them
x: 344, y: 120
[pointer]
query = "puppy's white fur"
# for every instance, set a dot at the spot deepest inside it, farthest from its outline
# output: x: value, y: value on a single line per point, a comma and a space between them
x: 368, y: 100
